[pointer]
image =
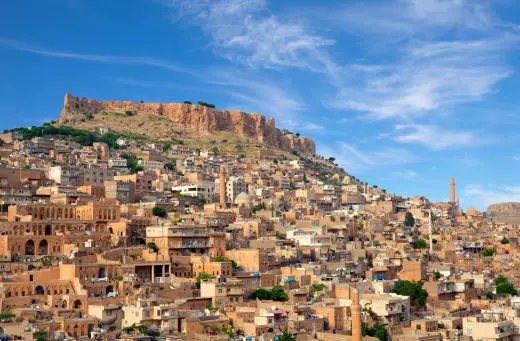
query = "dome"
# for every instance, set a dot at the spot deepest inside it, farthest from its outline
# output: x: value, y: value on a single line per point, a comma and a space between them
x: 243, y: 199
x: 472, y: 211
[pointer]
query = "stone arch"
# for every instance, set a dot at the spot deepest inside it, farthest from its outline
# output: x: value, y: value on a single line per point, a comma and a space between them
x: 101, y: 273
x: 39, y: 290
x: 29, y: 248
x: 43, y: 248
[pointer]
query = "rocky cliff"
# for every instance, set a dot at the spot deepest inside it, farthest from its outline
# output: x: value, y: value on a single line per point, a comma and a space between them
x: 196, y: 118
x: 505, y: 212
x: 505, y: 209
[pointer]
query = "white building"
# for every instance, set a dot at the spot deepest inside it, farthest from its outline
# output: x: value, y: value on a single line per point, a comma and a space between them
x: 202, y: 190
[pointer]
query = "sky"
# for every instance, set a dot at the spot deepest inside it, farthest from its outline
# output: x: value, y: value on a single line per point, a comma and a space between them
x: 404, y: 93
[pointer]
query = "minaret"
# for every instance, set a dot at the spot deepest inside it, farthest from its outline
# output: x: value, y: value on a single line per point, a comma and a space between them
x: 453, y: 198
x: 222, y: 187
x: 355, y: 310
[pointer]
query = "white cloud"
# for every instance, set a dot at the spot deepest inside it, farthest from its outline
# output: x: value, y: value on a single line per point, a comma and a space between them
x: 428, y: 77
x: 435, y: 137
x: 354, y: 159
x: 137, y: 60
x: 484, y: 196
x: 245, y: 31
x: 405, y: 174
x: 516, y: 157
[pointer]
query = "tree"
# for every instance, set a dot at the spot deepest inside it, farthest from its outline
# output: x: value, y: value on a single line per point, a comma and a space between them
x: 215, y: 151
x: 332, y: 159
x: 171, y: 165
x: 412, y: 289
x: 159, y: 212
x: 438, y: 275
x: 277, y: 293
x: 202, y: 276
x: 166, y: 147
x: 504, y: 241
x: 489, y: 252
x: 286, y: 336
x: 504, y: 287
x: 152, y: 246
x: 409, y: 220
x: 379, y: 331
x: 40, y: 335
x: 6, y: 316
x: 420, y: 244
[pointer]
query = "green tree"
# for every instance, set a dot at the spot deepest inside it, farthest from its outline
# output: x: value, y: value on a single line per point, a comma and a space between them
x: 409, y: 220
x: 286, y: 336
x: 159, y: 212
x: 438, y: 275
x: 489, y: 252
x: 504, y: 241
x: 504, y: 287
x: 201, y: 277
x: 171, y: 165
x: 277, y: 293
x: 40, y: 335
x: 152, y: 246
x: 412, y: 289
x: 420, y: 244
x: 6, y: 316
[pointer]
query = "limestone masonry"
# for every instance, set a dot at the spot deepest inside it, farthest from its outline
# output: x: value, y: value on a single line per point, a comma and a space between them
x: 198, y: 118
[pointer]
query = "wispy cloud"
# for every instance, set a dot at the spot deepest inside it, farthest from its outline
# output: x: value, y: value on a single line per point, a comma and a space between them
x: 429, y: 77
x: 353, y: 159
x: 485, y: 195
x: 435, y: 137
x: 138, y: 60
x: 245, y: 31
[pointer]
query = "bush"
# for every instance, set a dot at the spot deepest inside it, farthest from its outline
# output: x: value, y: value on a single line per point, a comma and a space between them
x: 206, y: 104
x: 277, y: 293
x: 489, y: 252
x: 409, y: 220
x: 504, y: 241
x: 504, y: 287
x: 414, y: 290
x: 159, y: 212
x: 201, y: 277
x: 420, y: 244
x: 152, y: 246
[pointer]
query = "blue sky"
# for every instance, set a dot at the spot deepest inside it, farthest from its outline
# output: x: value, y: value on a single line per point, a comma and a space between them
x: 404, y: 93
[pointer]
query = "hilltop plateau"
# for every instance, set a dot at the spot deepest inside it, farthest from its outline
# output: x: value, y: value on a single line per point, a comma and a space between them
x: 196, y: 122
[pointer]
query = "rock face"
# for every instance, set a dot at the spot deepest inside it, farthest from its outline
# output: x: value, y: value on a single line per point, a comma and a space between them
x: 198, y: 118
x: 508, y: 212
x: 510, y: 209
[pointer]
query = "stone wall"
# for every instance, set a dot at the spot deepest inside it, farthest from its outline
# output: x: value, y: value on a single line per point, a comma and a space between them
x: 198, y: 118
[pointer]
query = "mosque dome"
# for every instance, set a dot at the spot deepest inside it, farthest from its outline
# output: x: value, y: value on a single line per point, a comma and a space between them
x: 243, y: 199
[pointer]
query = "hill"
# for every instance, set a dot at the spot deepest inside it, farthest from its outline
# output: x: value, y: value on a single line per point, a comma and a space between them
x: 508, y: 212
x: 180, y: 121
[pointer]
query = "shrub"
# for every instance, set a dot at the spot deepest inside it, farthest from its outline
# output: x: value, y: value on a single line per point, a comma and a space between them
x: 159, y: 212
x: 412, y: 289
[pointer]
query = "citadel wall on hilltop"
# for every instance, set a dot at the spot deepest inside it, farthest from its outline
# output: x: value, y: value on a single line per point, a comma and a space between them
x: 198, y: 118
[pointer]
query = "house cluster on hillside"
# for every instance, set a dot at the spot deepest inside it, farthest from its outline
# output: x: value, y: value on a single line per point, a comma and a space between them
x: 152, y: 241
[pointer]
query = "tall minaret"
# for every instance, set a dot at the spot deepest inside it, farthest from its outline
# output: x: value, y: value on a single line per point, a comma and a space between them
x: 222, y: 187
x: 355, y: 310
x: 453, y: 197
